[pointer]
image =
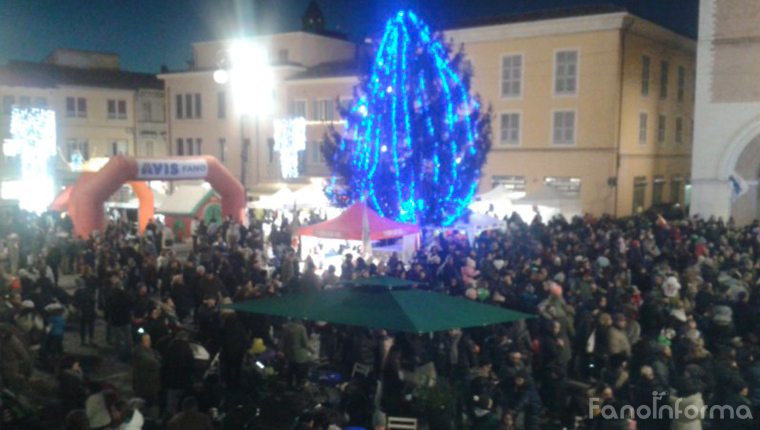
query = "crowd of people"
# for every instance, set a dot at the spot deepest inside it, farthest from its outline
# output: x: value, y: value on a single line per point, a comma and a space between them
x: 627, y: 312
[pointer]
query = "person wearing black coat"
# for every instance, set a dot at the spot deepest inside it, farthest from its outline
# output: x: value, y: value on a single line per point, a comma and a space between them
x: 178, y: 370
x: 119, y: 310
x: 525, y: 401
x: 182, y: 297
x: 85, y: 301
x: 233, y: 341
x: 643, y: 396
x: 73, y: 389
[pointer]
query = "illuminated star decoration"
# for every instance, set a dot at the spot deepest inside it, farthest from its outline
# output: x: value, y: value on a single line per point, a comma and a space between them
x: 415, y: 139
x: 34, y: 140
x: 289, y: 140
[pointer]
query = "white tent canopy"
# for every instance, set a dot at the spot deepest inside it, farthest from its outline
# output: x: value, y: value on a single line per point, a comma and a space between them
x: 500, y: 200
x: 550, y: 202
x: 498, y: 195
x: 309, y: 197
x: 478, y: 223
x: 276, y: 201
x: 184, y: 199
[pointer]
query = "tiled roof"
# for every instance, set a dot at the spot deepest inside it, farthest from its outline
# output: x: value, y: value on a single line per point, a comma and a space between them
x: 535, y: 16
x: 21, y: 73
x: 12, y: 77
x: 335, y: 69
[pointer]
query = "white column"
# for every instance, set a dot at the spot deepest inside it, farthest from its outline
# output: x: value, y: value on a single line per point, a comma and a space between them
x: 710, y: 197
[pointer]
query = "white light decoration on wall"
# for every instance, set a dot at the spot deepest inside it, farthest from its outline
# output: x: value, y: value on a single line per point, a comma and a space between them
x: 34, y: 140
x: 289, y: 139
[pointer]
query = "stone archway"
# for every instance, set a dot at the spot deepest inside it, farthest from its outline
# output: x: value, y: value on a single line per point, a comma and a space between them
x: 744, y: 137
x: 744, y: 208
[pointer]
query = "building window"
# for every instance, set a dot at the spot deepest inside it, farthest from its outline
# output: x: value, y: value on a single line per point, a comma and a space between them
x: 81, y: 107
x: 509, y: 129
x: 245, y: 151
x: 323, y: 110
x: 223, y: 150
x: 661, y: 129
x: 302, y: 157
x: 639, y: 192
x: 282, y: 56
x: 198, y: 109
x: 41, y: 102
x: 221, y: 105
x: 188, y: 105
x: 679, y: 130
x: 298, y: 109
x: 563, y: 128
x: 676, y: 182
x: 511, y: 183
x: 570, y: 187
x: 180, y: 111
x: 643, y: 120
x: 8, y: 102
x: 149, y: 148
x: 511, y: 76
x: 345, y: 104
x: 646, y: 64
x: 147, y: 111
x: 664, y: 79
x: 180, y: 146
x: 81, y: 147
x: 658, y: 186
x: 76, y: 107
x: 191, y: 108
x: 24, y: 102
x: 565, y: 72
x: 119, y: 147
x: 193, y: 147
x: 117, y: 109
x: 681, y: 83
x: 316, y: 150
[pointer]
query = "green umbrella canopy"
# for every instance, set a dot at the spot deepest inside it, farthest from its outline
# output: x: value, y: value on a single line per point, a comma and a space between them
x: 404, y: 310
x: 381, y: 281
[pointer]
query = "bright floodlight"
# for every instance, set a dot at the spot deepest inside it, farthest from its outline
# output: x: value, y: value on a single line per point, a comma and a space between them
x: 220, y: 76
x: 34, y: 140
x: 251, y: 78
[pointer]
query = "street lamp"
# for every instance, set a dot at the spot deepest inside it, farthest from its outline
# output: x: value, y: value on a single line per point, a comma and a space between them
x: 252, y: 83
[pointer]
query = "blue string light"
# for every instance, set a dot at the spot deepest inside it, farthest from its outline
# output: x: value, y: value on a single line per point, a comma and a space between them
x: 413, y: 151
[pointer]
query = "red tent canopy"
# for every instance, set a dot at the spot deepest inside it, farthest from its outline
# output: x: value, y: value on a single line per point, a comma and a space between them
x: 348, y: 226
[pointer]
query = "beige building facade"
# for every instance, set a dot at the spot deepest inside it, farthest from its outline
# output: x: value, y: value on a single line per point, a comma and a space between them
x: 202, y: 117
x: 598, y: 103
x: 100, y: 109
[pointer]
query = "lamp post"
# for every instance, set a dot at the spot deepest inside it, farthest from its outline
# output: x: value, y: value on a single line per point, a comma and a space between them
x: 251, y: 80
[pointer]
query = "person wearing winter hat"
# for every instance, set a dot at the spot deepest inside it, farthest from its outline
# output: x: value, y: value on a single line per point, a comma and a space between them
x: 671, y: 286
x: 482, y: 416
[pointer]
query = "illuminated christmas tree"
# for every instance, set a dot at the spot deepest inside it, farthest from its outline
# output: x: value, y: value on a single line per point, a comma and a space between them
x: 415, y: 139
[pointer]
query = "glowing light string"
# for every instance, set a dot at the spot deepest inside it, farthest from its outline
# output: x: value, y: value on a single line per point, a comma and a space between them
x: 412, y: 145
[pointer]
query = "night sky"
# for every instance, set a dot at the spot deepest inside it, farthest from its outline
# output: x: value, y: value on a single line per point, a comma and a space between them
x: 149, y: 33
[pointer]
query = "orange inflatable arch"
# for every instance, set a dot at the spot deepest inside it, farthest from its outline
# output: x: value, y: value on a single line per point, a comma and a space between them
x: 87, y: 195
